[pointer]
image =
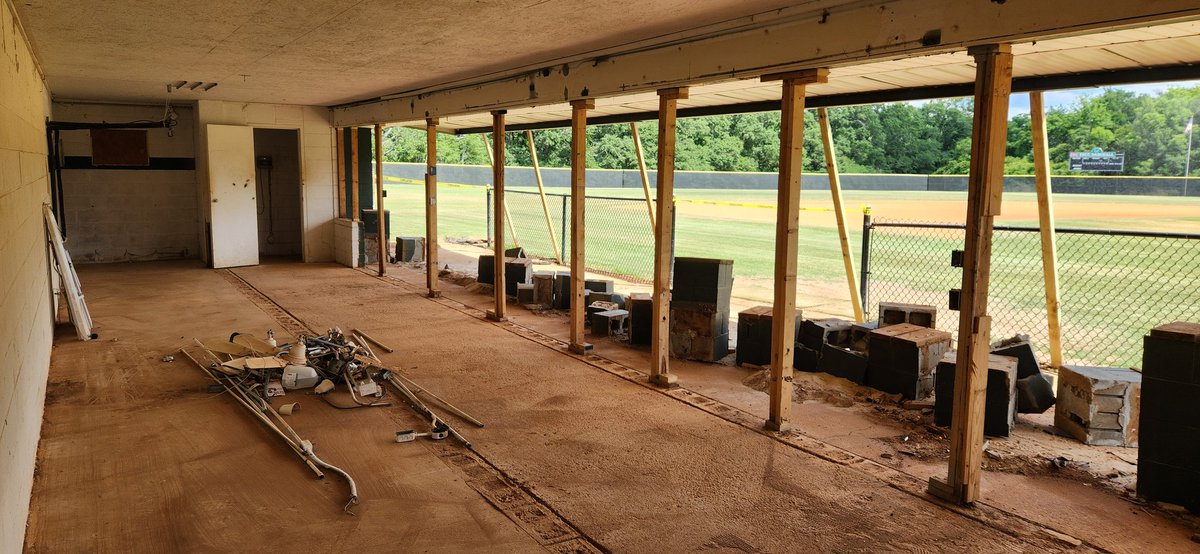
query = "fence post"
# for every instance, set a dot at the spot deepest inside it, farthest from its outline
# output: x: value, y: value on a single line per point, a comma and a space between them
x: 563, y: 236
x: 488, y: 210
x: 865, y: 271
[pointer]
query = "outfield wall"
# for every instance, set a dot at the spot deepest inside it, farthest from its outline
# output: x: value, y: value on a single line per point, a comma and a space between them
x: 629, y: 178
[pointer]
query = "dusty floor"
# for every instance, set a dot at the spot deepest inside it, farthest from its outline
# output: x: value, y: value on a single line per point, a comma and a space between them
x: 578, y: 452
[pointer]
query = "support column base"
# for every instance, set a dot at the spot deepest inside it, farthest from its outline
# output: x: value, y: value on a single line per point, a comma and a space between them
x: 491, y: 315
x: 665, y: 380
x: 778, y: 426
x: 434, y: 294
x: 581, y: 348
x: 940, y: 488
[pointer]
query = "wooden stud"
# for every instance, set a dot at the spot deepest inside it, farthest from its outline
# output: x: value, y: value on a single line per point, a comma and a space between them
x: 660, y: 343
x: 500, y: 214
x: 579, y: 109
x: 354, y: 208
x: 641, y: 159
x: 1041, y: 171
x: 381, y: 238
x: 492, y: 161
x: 835, y: 189
x: 787, y: 231
x: 801, y: 77
x: 993, y: 83
x: 341, y: 171
x: 431, y: 222
x: 537, y: 173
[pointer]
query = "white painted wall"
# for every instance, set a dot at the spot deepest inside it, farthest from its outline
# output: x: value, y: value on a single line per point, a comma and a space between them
x: 115, y: 215
x: 26, y: 318
x: 317, y: 163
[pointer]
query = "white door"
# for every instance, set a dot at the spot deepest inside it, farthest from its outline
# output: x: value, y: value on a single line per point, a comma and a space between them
x: 232, y: 186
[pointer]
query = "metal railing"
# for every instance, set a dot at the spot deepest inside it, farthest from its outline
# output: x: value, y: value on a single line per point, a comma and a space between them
x: 1114, y: 285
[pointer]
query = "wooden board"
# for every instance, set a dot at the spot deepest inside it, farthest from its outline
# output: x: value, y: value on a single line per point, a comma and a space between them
x: 72, y: 290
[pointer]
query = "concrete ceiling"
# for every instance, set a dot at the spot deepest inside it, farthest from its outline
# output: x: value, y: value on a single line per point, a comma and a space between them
x: 325, y: 52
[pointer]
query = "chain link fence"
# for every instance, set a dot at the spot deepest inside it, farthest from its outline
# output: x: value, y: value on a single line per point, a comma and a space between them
x: 619, y: 237
x: 1114, y: 286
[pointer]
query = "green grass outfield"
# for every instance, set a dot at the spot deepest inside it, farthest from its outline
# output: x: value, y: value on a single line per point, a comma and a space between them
x: 1113, y: 288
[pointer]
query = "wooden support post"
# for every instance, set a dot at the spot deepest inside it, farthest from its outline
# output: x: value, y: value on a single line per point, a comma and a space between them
x: 787, y: 231
x: 492, y: 161
x: 641, y: 158
x: 431, y: 228
x: 1041, y: 170
x: 835, y: 189
x: 537, y: 173
x: 989, y: 137
x: 500, y: 214
x: 379, y: 211
x: 579, y: 109
x: 354, y: 209
x: 341, y: 171
x: 660, y: 342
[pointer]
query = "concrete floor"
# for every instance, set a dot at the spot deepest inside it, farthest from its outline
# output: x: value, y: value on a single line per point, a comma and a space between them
x: 577, y: 455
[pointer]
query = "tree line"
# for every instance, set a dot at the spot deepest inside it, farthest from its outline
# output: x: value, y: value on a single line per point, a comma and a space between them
x: 930, y: 138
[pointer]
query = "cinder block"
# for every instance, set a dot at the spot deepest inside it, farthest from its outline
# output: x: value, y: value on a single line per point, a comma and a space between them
x: 641, y: 318
x: 595, y: 308
x: 859, y: 332
x: 816, y: 333
x: 1170, y: 401
x: 1000, y: 402
x: 702, y: 280
x: 754, y: 335
x: 1019, y: 347
x: 806, y: 359
x: 598, y: 285
x: 525, y: 293
x: 893, y: 313
x: 1166, y: 483
x: 1078, y: 404
x: 902, y: 359
x: 1035, y: 395
x: 699, y: 331
x: 518, y: 252
x: 844, y: 363
x: 609, y: 322
x: 1172, y: 352
x: 516, y: 271
x: 562, y: 291
x: 487, y: 269
x: 410, y: 249
x: 593, y: 296
x: 543, y: 288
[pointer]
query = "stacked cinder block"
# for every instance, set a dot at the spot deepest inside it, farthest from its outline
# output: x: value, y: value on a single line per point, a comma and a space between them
x: 1098, y: 405
x: 894, y: 313
x: 754, y: 335
x: 814, y: 335
x: 562, y: 291
x: 1000, y: 401
x: 641, y: 318
x: 903, y: 358
x: 1035, y: 394
x: 410, y: 249
x: 1169, y: 449
x: 543, y: 288
x: 517, y: 271
x: 487, y: 269
x: 700, y: 308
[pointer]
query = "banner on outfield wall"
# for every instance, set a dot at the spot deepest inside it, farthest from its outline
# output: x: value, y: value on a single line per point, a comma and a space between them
x: 1096, y: 160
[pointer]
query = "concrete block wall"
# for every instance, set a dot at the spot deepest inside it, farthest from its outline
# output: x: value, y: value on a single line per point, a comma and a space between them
x: 115, y: 215
x: 26, y: 308
x: 318, y: 175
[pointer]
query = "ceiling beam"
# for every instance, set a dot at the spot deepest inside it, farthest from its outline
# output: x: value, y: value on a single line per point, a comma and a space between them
x: 959, y: 90
x: 801, y: 37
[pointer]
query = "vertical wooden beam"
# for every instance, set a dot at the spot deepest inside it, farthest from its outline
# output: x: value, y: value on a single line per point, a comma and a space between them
x: 431, y: 222
x: 500, y: 214
x: 354, y: 208
x: 379, y: 208
x: 660, y: 342
x: 579, y: 109
x: 835, y: 189
x: 989, y: 138
x: 341, y: 171
x: 492, y: 161
x: 641, y: 158
x: 1041, y: 171
x: 787, y: 232
x: 537, y: 173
